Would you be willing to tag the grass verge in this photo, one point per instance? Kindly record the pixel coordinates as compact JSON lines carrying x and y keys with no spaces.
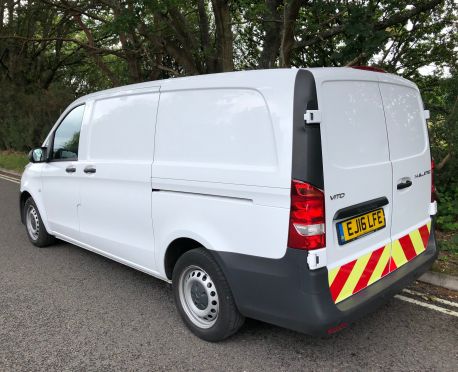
{"x":447,"y":262}
{"x":12,"y":160}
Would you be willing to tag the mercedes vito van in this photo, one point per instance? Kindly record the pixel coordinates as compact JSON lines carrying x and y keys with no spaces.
{"x":299,"y":197}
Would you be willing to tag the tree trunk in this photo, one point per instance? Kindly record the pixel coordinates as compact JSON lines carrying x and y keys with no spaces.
{"x":209,"y":59}
{"x":272,"y":40}
{"x":2,"y":13}
{"x":181,"y":56}
{"x":291,"y":13}
{"x":224,"y":37}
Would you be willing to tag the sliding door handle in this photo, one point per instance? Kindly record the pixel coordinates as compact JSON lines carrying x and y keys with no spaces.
{"x":90,"y":169}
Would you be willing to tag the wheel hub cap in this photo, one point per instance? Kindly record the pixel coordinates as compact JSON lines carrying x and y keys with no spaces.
{"x":32,"y":222}
{"x":199,"y":297}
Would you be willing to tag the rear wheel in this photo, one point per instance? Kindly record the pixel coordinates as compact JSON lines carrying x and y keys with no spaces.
{"x":35,"y":228}
{"x":203,"y":297}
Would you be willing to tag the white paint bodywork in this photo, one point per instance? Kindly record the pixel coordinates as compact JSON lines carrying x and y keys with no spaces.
{"x":220,"y":146}
{"x":409,"y":153}
{"x":356,"y":159}
{"x":115,"y":202}
{"x":373,"y":133}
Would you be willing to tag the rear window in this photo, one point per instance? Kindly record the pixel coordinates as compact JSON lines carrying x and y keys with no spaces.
{"x":354,"y":121}
{"x":405,"y":120}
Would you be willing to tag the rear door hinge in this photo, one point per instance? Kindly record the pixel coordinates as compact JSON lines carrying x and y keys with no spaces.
{"x":312,"y":116}
{"x":426,"y":114}
{"x":316,"y":259}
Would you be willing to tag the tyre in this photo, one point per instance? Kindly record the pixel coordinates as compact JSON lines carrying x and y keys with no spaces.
{"x":35,"y":228}
{"x":203,"y":297}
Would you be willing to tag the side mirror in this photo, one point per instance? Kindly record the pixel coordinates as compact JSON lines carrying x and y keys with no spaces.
{"x":38,"y":155}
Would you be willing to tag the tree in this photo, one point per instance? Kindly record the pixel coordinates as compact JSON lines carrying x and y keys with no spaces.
{"x":78,"y":46}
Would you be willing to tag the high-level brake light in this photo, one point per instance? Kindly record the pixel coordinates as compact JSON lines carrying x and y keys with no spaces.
{"x":369,"y":68}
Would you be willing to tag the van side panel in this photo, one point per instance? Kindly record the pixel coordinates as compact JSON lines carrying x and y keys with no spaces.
{"x":216,"y":135}
{"x":217,"y":171}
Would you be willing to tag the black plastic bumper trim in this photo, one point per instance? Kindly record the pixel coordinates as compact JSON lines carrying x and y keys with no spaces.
{"x":286,"y":293}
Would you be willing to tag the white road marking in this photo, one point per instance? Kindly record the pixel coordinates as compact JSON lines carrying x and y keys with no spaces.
{"x":433,"y":298}
{"x":11,"y":179}
{"x":429,"y":306}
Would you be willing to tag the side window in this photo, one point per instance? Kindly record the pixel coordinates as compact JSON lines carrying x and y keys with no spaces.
{"x":67,"y":136}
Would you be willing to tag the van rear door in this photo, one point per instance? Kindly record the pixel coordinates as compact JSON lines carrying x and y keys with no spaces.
{"x":411,"y":161}
{"x":357,"y":179}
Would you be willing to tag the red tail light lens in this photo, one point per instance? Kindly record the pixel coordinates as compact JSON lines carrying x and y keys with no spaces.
{"x":306,"y":221}
{"x":433,"y":186}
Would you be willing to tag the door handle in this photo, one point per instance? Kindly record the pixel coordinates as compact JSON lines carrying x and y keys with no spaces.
{"x":90,"y":169}
{"x":404,"y":184}
{"x":70,"y":169}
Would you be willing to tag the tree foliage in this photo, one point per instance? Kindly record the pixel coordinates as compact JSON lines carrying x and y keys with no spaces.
{"x":125,"y":41}
{"x":54,"y":50}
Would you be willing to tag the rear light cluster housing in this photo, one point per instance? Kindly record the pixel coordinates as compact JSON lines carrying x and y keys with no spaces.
{"x":307,"y":217}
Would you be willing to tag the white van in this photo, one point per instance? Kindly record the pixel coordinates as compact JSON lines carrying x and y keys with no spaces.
{"x":299,"y":197}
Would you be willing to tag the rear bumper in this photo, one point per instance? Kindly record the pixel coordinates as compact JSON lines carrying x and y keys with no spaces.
{"x":286,"y":293}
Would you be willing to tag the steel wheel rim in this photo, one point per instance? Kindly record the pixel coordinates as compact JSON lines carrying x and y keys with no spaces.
{"x":199,"y":297}
{"x":32,"y":222}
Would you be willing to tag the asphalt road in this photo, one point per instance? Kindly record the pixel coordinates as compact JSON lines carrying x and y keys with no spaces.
{"x":64,"y":308}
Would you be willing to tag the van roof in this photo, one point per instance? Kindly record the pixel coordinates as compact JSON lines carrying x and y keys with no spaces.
{"x":250,"y":79}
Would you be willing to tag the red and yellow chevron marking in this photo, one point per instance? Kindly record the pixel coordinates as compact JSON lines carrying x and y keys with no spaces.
{"x":358,"y":274}
{"x":409,"y":246}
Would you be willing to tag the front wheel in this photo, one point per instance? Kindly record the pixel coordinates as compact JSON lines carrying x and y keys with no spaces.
{"x":203,"y":297}
{"x":36,"y":230}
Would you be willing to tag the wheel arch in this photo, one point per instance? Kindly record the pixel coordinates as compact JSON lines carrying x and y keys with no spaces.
{"x":27,"y":193}
{"x":175,"y":250}
{"x":22,"y":199}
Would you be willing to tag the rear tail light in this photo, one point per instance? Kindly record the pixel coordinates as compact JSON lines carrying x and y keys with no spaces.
{"x":306,"y":220}
{"x":433,"y":186}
